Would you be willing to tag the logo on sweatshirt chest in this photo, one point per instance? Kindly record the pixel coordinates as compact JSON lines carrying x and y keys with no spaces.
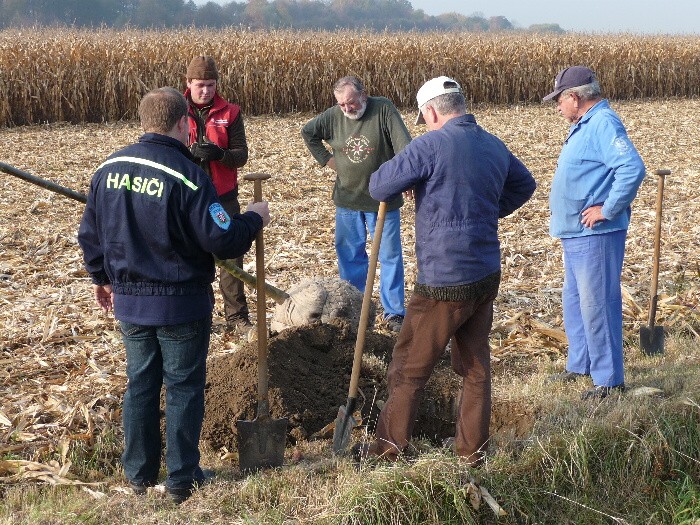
{"x":357,"y":148}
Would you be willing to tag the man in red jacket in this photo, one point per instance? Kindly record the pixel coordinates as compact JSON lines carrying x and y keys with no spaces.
{"x":217,"y":142}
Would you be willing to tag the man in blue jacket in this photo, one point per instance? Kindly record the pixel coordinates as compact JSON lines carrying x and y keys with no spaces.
{"x":597,"y":177}
{"x":150,"y":226}
{"x":463,"y":180}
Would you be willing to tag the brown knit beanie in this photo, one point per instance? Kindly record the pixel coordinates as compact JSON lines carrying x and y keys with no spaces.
{"x":202,"y":68}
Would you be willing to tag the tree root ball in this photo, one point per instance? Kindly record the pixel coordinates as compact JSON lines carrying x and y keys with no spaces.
{"x":320,"y":299}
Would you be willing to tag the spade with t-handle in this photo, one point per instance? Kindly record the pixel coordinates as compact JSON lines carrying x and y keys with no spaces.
{"x":261,"y":441}
{"x":651,"y":337}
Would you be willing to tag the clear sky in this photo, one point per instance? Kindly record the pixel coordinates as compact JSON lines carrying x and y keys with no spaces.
{"x":610,"y":16}
{"x":591,"y":16}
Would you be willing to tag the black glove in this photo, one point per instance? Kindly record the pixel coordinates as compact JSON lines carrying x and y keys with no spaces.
{"x":206,"y":151}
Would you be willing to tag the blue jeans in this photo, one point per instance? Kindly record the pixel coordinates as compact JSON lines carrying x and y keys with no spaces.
{"x":351,"y":228}
{"x":175,"y":356}
{"x":592,"y":302}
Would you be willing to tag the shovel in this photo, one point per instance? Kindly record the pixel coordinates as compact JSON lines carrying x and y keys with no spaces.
{"x":261,"y":442}
{"x":651,"y":337}
{"x":345,"y":421}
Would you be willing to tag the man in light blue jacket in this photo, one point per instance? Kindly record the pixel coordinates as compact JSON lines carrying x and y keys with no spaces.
{"x":597,"y":177}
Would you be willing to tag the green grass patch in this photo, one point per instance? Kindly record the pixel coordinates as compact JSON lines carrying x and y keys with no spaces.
{"x":629,"y":459}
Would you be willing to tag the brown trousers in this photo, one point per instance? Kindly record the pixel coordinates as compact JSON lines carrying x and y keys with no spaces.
{"x":232,"y":289}
{"x":428,"y":327}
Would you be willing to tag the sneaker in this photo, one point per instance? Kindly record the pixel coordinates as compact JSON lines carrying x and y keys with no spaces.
{"x":601,"y":392}
{"x":394,"y":322}
{"x":564,"y":377}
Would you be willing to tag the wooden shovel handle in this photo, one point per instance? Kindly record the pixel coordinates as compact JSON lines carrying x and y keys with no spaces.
{"x":263,"y":403}
{"x":366,"y":301}
{"x":661,"y":174}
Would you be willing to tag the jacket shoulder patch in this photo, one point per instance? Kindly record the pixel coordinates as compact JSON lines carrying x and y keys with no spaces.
{"x":221,"y":218}
{"x":621,"y":144}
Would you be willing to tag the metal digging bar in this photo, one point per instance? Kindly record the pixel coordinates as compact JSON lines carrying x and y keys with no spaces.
{"x":278,"y":295}
{"x":46,"y":184}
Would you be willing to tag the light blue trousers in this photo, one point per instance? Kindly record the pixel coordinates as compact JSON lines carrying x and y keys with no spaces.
{"x":592,"y":302}
{"x":351,"y":229}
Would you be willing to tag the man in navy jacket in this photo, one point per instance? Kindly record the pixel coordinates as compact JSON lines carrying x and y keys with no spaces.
{"x":463,"y":180}
{"x":150,"y":226}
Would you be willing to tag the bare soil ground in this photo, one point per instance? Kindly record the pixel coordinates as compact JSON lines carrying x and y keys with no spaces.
{"x":62,"y":364}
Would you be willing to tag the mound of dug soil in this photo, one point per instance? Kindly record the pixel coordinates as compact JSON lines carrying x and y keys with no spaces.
{"x":310,"y":369}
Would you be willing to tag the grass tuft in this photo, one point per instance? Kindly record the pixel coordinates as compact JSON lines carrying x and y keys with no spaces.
{"x":628,"y":459}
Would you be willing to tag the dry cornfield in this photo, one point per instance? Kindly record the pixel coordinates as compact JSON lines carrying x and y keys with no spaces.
{"x":50,"y":75}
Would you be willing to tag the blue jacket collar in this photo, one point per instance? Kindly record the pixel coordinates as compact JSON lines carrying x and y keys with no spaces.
{"x":467,"y":118}
{"x":158,"y":138}
{"x":588,"y":115}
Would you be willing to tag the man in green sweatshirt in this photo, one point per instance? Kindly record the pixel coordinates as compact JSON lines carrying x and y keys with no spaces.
{"x":363,"y":132}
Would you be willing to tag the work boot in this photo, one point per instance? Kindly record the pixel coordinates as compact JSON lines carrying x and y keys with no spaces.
{"x":180,"y":495}
{"x":601,"y":392}
{"x":240,"y":324}
{"x":141,"y":487}
{"x":394,"y":322}
{"x":564,"y":377}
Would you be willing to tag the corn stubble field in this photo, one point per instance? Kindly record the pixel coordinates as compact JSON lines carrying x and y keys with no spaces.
{"x":61,"y":362}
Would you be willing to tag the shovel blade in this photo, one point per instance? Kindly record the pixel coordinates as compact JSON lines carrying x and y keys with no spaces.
{"x":651,"y":339}
{"x":261,"y":443}
{"x":344,"y":423}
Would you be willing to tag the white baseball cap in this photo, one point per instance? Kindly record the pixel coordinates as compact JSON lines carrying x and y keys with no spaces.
{"x":434,"y":88}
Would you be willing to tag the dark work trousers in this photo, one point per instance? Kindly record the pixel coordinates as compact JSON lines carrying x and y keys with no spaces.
{"x":428,"y":327}
{"x":232,"y":289}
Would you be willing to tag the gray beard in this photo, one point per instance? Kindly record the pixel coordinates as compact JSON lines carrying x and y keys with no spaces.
{"x":358,"y":115}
